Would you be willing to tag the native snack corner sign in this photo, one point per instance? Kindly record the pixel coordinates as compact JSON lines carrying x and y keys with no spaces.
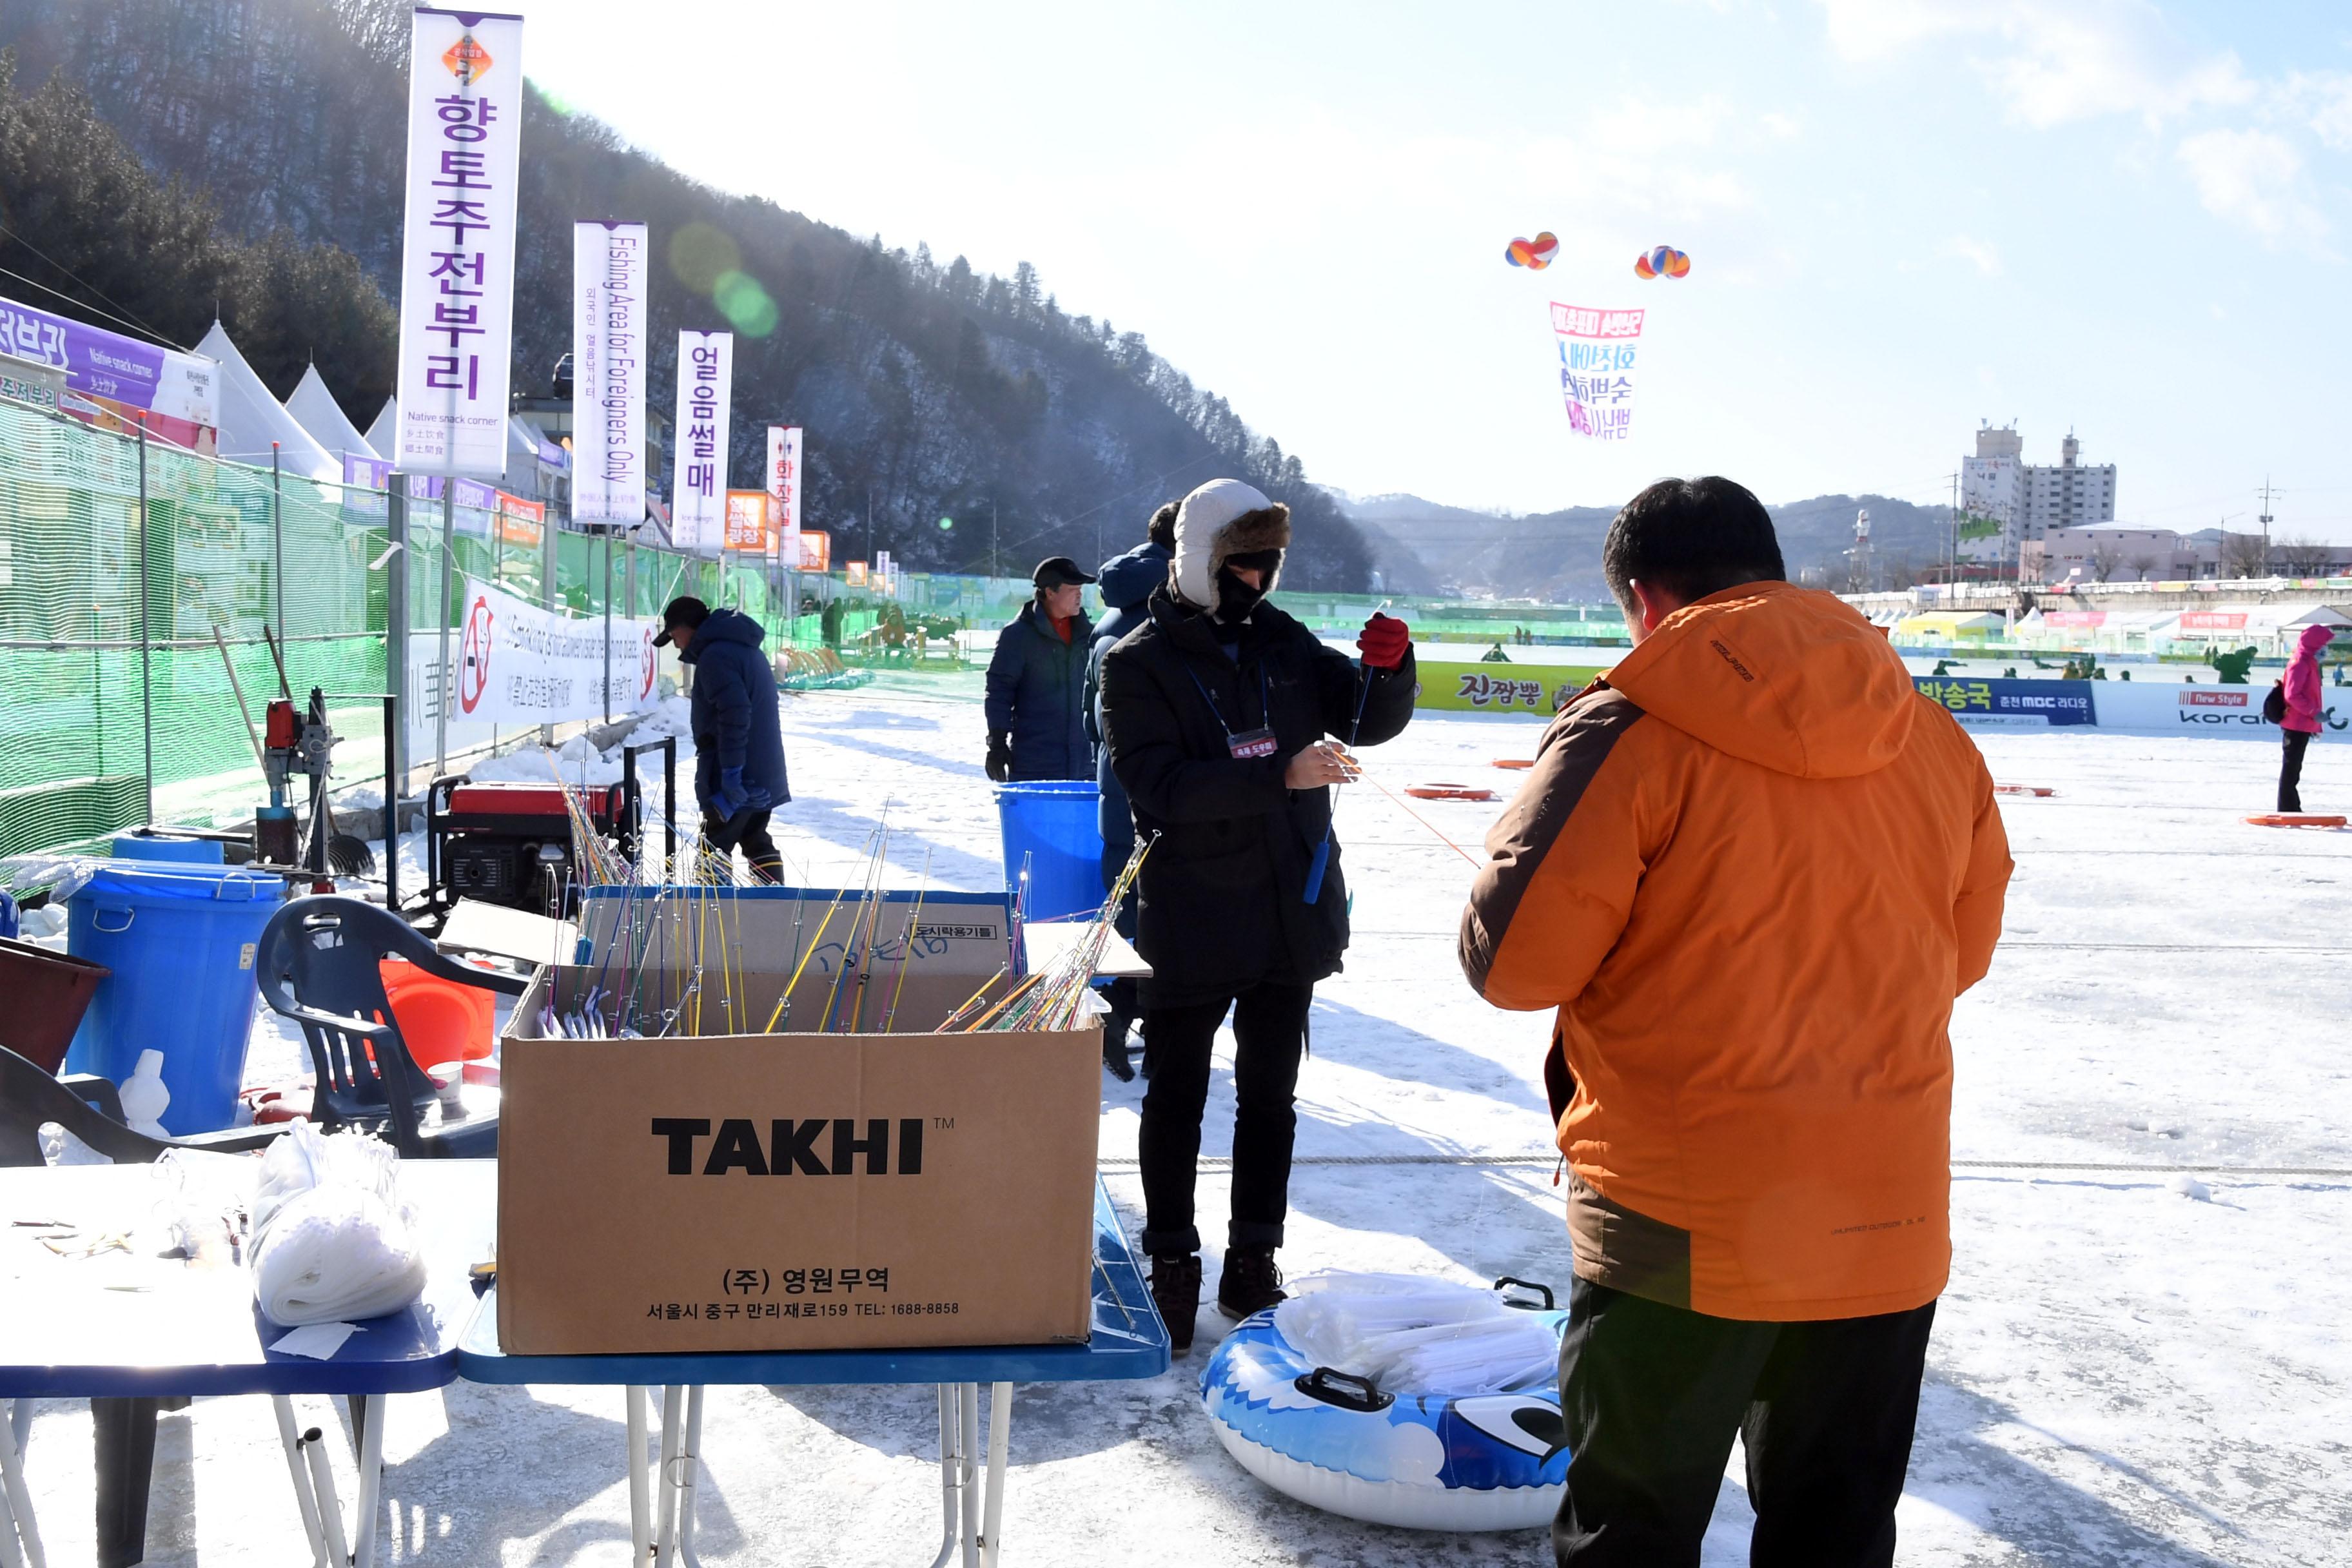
{"x":608,"y":372}
{"x":1600,"y":355}
{"x":705,"y":366}
{"x":517,"y":664}
{"x":457,"y":274}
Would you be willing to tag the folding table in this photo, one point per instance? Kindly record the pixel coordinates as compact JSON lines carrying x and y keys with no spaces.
{"x":1128,"y":1340}
{"x":114,"y":1326}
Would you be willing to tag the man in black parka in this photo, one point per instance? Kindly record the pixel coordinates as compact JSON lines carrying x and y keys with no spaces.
{"x":1036,"y":698}
{"x":1216,"y":713}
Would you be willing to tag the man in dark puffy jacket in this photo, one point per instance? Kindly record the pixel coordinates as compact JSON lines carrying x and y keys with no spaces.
{"x":738,"y":739}
{"x":1127,"y":583}
{"x":1037,"y":683}
{"x":1215,"y":711}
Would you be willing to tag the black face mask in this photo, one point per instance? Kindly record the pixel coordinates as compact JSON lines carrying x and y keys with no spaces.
{"x":1235,"y":598}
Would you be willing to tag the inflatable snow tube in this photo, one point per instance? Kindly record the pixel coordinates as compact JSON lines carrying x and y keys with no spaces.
{"x":2294,"y":819}
{"x":1420,"y":1458}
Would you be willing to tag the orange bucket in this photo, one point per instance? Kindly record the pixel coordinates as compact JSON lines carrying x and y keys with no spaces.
{"x":441,"y":1020}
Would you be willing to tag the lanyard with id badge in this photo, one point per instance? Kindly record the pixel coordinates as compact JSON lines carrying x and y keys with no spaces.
{"x":1248,"y":744}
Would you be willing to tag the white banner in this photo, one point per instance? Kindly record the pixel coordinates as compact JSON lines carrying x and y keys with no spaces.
{"x":1600,"y":353}
{"x":706,"y":371}
{"x":608,"y":372}
{"x":458,"y":257}
{"x":783,"y":487}
{"x":515,"y":663}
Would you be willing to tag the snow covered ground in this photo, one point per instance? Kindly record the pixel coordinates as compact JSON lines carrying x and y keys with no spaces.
{"x":2131,"y":1368}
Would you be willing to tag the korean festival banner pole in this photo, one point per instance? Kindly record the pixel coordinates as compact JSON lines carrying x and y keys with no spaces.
{"x":783,"y":487}
{"x":706,"y":373}
{"x":456,"y":274}
{"x":608,"y":379}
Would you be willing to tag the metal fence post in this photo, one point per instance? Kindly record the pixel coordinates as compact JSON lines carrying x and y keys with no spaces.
{"x":395,"y":635}
{"x":277,"y":541}
{"x":550,"y":563}
{"x":146,"y":643}
{"x":448,"y":563}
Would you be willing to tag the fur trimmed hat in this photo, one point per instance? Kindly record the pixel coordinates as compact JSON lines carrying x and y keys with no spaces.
{"x":1222,"y":519}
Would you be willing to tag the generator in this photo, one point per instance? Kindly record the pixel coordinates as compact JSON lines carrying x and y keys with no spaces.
{"x":510,"y":842}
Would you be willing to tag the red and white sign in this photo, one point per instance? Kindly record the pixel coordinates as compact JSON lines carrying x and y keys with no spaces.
{"x":783,"y":487}
{"x":1600,"y":367}
{"x":747,"y":520}
{"x":2213,"y":620}
{"x":518,"y":664}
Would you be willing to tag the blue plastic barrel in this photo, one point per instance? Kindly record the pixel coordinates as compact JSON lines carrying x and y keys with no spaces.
{"x":180,"y":939}
{"x":159,"y":846}
{"x":1052,"y":822}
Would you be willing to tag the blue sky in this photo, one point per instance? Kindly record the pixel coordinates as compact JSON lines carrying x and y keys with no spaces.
{"x":1903,"y":216}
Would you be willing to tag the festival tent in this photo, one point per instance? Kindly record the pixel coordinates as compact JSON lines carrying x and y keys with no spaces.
{"x":1947,"y":626}
{"x":384,"y":434}
{"x":315,"y":409}
{"x":251,"y":420}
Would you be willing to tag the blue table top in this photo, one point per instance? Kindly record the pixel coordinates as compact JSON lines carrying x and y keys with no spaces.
{"x":1128,"y":1340}
{"x":123,"y":1324}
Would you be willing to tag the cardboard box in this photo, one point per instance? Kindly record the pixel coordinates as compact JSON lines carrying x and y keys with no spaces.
{"x":735,"y":1190}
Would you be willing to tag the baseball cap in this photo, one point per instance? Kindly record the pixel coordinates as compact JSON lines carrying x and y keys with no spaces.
{"x":682,"y":611}
{"x":1058,"y":571}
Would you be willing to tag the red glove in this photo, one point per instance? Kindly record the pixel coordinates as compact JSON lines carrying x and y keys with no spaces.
{"x":1383,"y":642}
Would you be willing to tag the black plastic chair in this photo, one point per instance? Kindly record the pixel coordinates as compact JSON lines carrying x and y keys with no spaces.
{"x":317,"y":964}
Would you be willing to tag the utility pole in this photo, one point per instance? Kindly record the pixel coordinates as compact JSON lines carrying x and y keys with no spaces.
{"x":992,"y":538}
{"x":2268,"y":495}
{"x":1952,"y":556}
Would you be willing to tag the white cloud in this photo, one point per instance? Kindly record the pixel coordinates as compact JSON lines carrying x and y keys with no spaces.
{"x":1976,"y":252}
{"x":2052,"y":61}
{"x":2254,"y":178}
{"x":2323,"y":99}
{"x":1780,"y":125}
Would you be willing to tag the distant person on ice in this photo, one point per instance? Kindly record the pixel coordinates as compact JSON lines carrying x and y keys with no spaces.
{"x":1751,"y":870}
{"x":1127,"y":581}
{"x":738,"y":740}
{"x":1037,"y":680}
{"x":1216,"y":710}
{"x":2306,"y":702}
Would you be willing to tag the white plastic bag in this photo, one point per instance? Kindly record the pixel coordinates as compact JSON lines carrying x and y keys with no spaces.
{"x":1412,"y":1336}
{"x":332,"y":1240}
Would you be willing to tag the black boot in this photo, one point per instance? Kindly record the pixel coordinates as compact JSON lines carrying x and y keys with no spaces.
{"x":1115,"y":1029}
{"x":1250,"y":1282}
{"x":1176,"y":1291}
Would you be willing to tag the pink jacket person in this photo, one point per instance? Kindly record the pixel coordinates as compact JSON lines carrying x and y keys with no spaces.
{"x":2304,"y":700}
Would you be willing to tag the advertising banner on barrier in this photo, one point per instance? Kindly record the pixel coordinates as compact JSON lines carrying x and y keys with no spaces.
{"x":1599,"y":368}
{"x":180,"y":392}
{"x":515,"y":663}
{"x":1536,"y":690}
{"x":2010,"y":702}
{"x":521,"y":522}
{"x":458,"y":257}
{"x":783,"y":487}
{"x":706,"y":373}
{"x":608,"y":372}
{"x":2233,"y":712}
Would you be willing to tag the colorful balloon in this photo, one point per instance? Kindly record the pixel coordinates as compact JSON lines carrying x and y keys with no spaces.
{"x":1664,"y":261}
{"x":1533,"y":254}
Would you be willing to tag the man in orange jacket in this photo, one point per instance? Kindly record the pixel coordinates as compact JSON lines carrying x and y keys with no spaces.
{"x":1751,"y":869}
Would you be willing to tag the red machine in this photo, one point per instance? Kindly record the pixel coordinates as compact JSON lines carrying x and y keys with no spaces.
{"x":509,"y":843}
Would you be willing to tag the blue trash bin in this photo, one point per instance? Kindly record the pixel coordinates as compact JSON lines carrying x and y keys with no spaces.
{"x":162,"y":846}
{"x":1054,"y":823}
{"x":180,"y":939}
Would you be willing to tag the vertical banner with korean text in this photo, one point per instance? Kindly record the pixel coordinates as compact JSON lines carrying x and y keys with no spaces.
{"x":706,"y":369}
{"x":783,"y":487}
{"x":1599,"y":364}
{"x":608,"y":372}
{"x":457,"y":255}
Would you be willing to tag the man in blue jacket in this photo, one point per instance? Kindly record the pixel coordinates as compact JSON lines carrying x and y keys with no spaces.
{"x":738,"y":739}
{"x":1037,"y":683}
{"x":1127,"y":581}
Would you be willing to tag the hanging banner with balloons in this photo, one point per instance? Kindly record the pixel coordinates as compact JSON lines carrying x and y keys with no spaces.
{"x":1599,"y":366}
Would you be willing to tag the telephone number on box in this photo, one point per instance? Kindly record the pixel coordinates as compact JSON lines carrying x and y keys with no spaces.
{"x":925,"y":1309}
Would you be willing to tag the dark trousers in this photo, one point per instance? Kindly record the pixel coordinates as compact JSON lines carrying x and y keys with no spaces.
{"x":750,"y":830}
{"x":1269,"y":1034}
{"x":2291,"y":770}
{"x":1651,"y":1395}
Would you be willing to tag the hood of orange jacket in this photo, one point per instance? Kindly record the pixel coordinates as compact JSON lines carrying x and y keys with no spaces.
{"x":1789,"y":678}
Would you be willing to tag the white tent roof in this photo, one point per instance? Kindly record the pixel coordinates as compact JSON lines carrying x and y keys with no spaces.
{"x":384,"y":434}
{"x":250,"y":419}
{"x":315,"y":409}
